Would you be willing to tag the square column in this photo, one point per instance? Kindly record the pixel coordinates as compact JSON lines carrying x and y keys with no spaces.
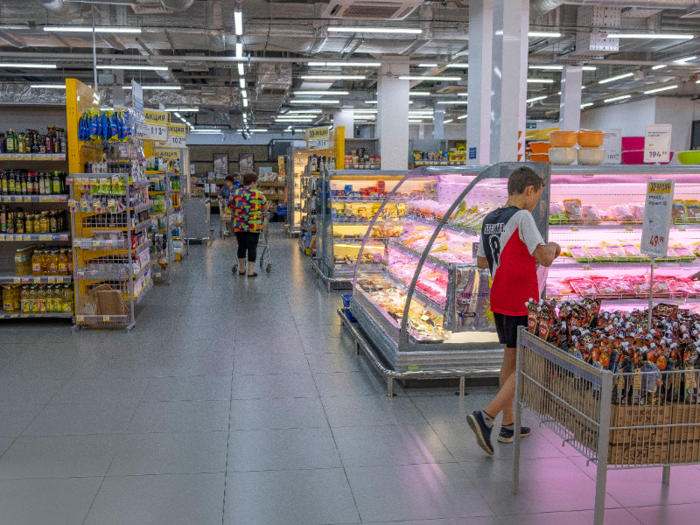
{"x":506,"y":93}
{"x":439,"y":122}
{"x":522,"y":113}
{"x":479,"y":82}
{"x":570,"y":105}
{"x":345,"y":118}
{"x":392,"y":115}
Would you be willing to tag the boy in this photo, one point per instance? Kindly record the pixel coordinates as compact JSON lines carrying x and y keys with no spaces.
{"x":511,"y":246}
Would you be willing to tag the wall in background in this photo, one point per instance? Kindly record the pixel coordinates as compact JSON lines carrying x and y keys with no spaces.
{"x":680,"y":113}
{"x":202,"y":156}
{"x":632,"y":117}
{"x":35,"y":117}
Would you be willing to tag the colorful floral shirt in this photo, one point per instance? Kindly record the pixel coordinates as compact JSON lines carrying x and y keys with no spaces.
{"x":247,"y":210}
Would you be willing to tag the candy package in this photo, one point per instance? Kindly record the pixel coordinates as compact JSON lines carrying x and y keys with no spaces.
{"x":573,"y":211}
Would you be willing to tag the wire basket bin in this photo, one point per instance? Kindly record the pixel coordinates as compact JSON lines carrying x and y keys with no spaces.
{"x":616,"y":420}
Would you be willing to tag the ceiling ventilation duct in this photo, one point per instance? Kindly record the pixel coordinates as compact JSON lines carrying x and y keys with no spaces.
{"x":366,"y":10}
{"x":605,"y":20}
{"x":61,"y":8}
{"x":69,"y":8}
{"x":273,"y":84}
{"x":542,"y":7}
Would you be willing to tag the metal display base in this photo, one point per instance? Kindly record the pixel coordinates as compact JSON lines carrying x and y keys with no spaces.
{"x":332,"y":281}
{"x":473,"y":359}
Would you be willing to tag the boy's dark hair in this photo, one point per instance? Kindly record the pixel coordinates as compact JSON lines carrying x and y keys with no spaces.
{"x":249,"y":178}
{"x":523,"y":177}
{"x":228,"y":177}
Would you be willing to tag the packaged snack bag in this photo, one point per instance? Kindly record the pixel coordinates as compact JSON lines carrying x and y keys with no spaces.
{"x":557,"y":215}
{"x":590,"y":214}
{"x":532,"y":316}
{"x":573,"y":210}
{"x":622,"y":213}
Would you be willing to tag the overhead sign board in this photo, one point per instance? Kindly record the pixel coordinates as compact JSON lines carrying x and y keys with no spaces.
{"x":318,"y":138}
{"x":151,"y":132}
{"x":157,"y":118}
{"x":137,"y":96}
{"x":657,"y":217}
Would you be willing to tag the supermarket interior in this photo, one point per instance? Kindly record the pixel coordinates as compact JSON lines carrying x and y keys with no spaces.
{"x":144,"y":379}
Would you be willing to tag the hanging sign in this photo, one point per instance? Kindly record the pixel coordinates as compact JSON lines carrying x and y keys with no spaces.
{"x":177,"y":135}
{"x":612,"y":144}
{"x":165,"y":153}
{"x":657,"y":217}
{"x":317,"y":138}
{"x":137,"y":96}
{"x":156,"y":118}
{"x":657,"y":143}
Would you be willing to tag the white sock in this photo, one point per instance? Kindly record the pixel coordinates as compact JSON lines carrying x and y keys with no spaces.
{"x":487,"y":419}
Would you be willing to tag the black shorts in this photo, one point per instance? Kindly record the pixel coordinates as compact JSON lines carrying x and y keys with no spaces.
{"x":507,"y":328}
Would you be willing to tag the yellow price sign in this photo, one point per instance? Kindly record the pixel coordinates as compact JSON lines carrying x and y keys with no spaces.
{"x":105,"y":319}
{"x":80,"y":319}
{"x":52,"y":280}
{"x":156,"y":118}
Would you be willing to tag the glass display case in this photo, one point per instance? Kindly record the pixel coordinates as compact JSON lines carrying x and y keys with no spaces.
{"x":348,"y":201}
{"x":426,"y":305}
{"x":596,"y":216}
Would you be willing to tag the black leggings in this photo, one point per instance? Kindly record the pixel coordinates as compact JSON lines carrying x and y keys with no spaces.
{"x":248,"y":241}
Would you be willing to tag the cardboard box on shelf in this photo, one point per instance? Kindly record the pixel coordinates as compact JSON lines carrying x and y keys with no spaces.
{"x":684,"y":414}
{"x":110,"y":302}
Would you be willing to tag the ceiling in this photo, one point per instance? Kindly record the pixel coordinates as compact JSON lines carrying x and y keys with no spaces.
{"x":198,"y":44}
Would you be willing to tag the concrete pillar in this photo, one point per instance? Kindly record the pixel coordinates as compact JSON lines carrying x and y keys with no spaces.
{"x":439,"y":122}
{"x":392,"y":115}
{"x":479,"y":82}
{"x":570,"y":105}
{"x":522,"y":111}
{"x":345,"y":118}
{"x":505,"y":100}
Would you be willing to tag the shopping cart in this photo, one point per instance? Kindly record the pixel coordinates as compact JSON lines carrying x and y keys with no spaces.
{"x":263,"y":243}
{"x":225,"y":218}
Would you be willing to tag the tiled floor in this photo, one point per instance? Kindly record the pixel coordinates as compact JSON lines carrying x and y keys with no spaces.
{"x":238,"y":401}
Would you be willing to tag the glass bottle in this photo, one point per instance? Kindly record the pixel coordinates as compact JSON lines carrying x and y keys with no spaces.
{"x":44,"y":223}
{"x":23,"y":183}
{"x":42,"y":188}
{"x":53,"y":224}
{"x":47,"y":184}
{"x":11,"y":184}
{"x":37,"y":223}
{"x":69,"y":253}
{"x":19,"y":223}
{"x":10,"y":141}
{"x":3,"y":183}
{"x":21,"y":143}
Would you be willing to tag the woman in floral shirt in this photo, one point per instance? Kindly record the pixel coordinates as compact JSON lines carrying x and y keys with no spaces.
{"x":247,"y":206}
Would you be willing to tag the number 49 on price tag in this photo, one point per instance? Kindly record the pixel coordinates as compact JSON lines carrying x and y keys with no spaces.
{"x":657,"y":218}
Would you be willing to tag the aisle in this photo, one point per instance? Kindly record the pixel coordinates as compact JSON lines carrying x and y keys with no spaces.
{"x":238,"y":401}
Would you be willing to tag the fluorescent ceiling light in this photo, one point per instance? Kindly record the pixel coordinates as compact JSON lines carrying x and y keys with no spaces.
{"x":370,"y":101}
{"x":427,"y":65}
{"x":460,"y":102}
{"x":447,"y":121}
{"x":182,"y":119}
{"x":453,"y":79}
{"x":258,"y":130}
{"x":658,"y":90}
{"x":345,"y":64}
{"x":48,"y":86}
{"x":419,"y":93}
{"x":245,"y":102}
{"x":238,"y":22}
{"x":646,"y":36}
{"x":321,"y":93}
{"x":239,"y":49}
{"x":178,"y":115}
{"x":586,"y":105}
{"x":333,"y":77}
{"x":684,"y":60}
{"x":83,"y":29}
{"x":244,"y":93}
{"x":462,"y":117}
{"x":462,"y":94}
{"x":360,"y":110}
{"x":554,"y":67}
{"x":449,"y":66}
{"x":294,"y":120}
{"x":658,"y":67}
{"x":298,"y":111}
{"x":134,"y":67}
{"x":241,"y":83}
{"x":241,"y":69}
{"x":28,"y":66}
{"x":312,"y":102}
{"x":618,"y":77}
{"x":167,"y":88}
{"x":540,"y":81}
{"x":183,"y":109}
{"x":535,"y":99}
{"x":412,"y":121}
{"x":337,"y":29}
{"x":615,"y":99}
{"x":208,"y":131}
{"x":544,"y":34}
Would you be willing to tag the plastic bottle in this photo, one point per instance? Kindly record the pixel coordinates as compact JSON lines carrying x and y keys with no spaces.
{"x":25,"y":303}
{"x":45,"y":262}
{"x":41,"y":299}
{"x":53,"y":263}
{"x":62,"y":263}
{"x":53,"y":225}
{"x":44,"y":223}
{"x":68,"y":303}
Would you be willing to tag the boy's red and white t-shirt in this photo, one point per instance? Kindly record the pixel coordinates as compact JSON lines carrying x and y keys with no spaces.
{"x":509,"y":237}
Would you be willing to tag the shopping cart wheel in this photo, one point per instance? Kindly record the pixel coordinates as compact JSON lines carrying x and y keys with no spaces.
{"x":235,"y":268}
{"x":268,"y":268}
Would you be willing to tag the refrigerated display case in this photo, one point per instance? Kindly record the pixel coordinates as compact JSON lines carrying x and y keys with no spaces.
{"x":426,"y":306}
{"x":596,"y":216}
{"x":348,"y":201}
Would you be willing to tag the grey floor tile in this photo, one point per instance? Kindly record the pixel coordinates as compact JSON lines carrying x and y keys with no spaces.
{"x":390,"y":445}
{"x":263,"y":364}
{"x":336,"y":361}
{"x":411,"y":492}
{"x":55,"y":501}
{"x":170,"y":453}
{"x":286,"y":497}
{"x":14,"y":419}
{"x":364,"y":383}
{"x":582,"y":517}
{"x":302,"y":448}
{"x":300,"y":384}
{"x":193,"y":388}
{"x":107,"y":391}
{"x":480,"y":520}
{"x":177,"y":499}
{"x":282,"y":413}
{"x":670,"y":514}
{"x":58,"y":457}
{"x":359,"y":411}
{"x":76,"y":420}
{"x":452,"y":409}
{"x":15,"y":390}
{"x":180,"y":416}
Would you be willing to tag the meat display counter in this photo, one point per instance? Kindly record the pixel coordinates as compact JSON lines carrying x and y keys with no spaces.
{"x":426,"y":305}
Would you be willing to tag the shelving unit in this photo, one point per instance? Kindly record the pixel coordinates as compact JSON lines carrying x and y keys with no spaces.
{"x":309,"y":212}
{"x":161,"y":233}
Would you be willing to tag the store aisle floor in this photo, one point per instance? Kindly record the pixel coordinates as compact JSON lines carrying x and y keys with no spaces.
{"x":238,"y":401}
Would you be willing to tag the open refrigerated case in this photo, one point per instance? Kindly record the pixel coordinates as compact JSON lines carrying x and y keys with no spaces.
{"x":426,"y":305}
{"x":348,"y":201}
{"x":596,"y":216}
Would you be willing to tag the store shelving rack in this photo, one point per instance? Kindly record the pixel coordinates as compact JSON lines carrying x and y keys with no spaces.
{"x":331,"y":231}
{"x":309,"y":209}
{"x":162,"y":268}
{"x":10,"y":242}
